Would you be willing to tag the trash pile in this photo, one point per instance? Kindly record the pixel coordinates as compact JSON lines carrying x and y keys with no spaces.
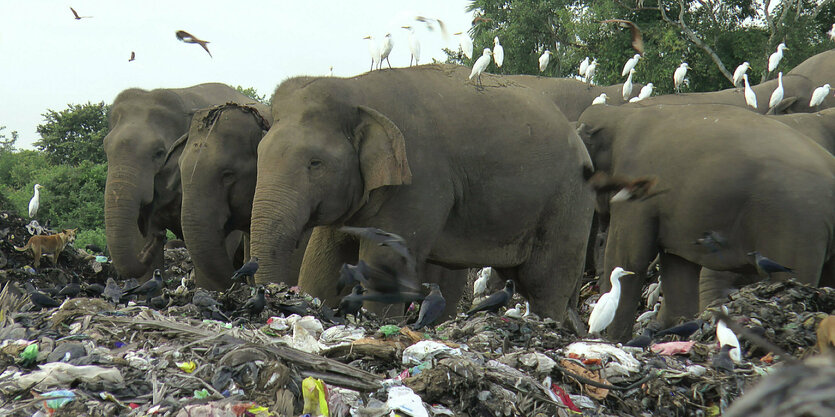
{"x":190,"y":352}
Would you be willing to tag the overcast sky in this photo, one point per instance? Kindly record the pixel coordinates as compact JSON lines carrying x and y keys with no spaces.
{"x":48,"y":59}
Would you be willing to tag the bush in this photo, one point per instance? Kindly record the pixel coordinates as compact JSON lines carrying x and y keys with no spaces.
{"x":93,"y":236}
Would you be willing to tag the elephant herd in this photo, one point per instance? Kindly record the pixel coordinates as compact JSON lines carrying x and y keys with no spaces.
{"x":476,"y":177}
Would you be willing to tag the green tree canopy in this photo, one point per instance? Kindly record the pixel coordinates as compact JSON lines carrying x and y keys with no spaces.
{"x":7,"y":143}
{"x":75,"y":134}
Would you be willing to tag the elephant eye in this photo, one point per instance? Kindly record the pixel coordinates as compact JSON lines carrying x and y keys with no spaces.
{"x":159,"y":154}
{"x":228,"y":177}
{"x":315,"y":163}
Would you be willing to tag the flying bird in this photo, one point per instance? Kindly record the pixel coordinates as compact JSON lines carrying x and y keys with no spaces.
{"x":765,"y":267}
{"x":414,"y":45}
{"x":351,"y":275}
{"x":35,"y":202}
{"x":431,"y":308}
{"x":515,"y":312}
{"x":774,"y":59}
{"x":247,"y":270}
{"x":722,"y":360}
{"x":479,"y":19}
{"x":255,"y":305}
{"x":112,"y":291}
{"x":645,"y":92}
{"x":189,"y":38}
{"x":777,"y":94}
{"x":132,"y":56}
{"x":498,"y":52}
{"x":351,"y":304}
{"x":150,"y":288}
{"x":385,"y":50}
{"x":430,"y":25}
{"x":543,"y":60}
{"x":77,"y":17}
{"x":683,"y":330}
{"x":750,"y":96}
{"x":374,"y":51}
{"x":625,"y":189}
{"x":496,"y":300}
{"x":604,"y":311}
{"x":590,"y":70}
{"x":740,"y":70}
{"x":383,"y":238}
{"x":819,"y":95}
{"x":678,"y":76}
{"x":712,"y":240}
{"x":627,"y":86}
{"x":601,"y":99}
{"x":466,"y":44}
{"x":637,"y":38}
{"x":480,"y":65}
{"x":726,"y":336}
{"x":480,"y":284}
{"x":584,"y":66}
{"x":630,"y":64}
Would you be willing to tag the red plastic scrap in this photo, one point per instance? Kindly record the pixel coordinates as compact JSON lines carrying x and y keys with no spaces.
{"x":565,"y":398}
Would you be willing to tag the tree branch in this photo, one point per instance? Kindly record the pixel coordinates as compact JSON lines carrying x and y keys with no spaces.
{"x":695,"y":39}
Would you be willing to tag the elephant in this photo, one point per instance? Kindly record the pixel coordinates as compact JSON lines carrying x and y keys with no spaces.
{"x":142,"y":190}
{"x":468,"y":176}
{"x":716,"y":171}
{"x":820,"y":126}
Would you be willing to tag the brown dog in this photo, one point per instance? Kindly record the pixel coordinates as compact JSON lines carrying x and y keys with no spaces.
{"x":54,"y":244}
{"x":826,"y":334}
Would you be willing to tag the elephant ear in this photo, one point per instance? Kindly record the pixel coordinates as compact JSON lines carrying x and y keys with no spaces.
{"x":781,"y":107}
{"x":382,"y":151}
{"x":170,"y":167}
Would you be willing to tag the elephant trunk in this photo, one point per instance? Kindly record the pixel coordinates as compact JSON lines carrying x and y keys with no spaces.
{"x":121,"y":217}
{"x":278,"y":220}
{"x":205,"y":237}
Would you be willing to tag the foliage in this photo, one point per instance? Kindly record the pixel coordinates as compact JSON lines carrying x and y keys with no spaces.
{"x":75,"y":134}
{"x":90,"y":236}
{"x":7,"y":143}
{"x":713,"y":37}
{"x":252,"y":93}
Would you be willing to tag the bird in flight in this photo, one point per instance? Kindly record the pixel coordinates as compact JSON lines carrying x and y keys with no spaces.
{"x":189,"y":38}
{"x":77,"y":17}
{"x":132,"y":56}
{"x":637,"y":37}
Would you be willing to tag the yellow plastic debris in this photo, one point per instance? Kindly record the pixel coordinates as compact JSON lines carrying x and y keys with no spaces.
{"x":315,"y":396}
{"x":187,"y":367}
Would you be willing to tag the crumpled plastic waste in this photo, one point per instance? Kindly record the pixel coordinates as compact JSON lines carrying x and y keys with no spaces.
{"x":425,"y":350}
{"x":405,"y":400}
{"x":604,"y":352}
{"x":29,"y":354}
{"x":58,"y":399}
{"x":673,"y":348}
{"x":61,"y":373}
{"x":187,"y":367}
{"x":315,"y":396}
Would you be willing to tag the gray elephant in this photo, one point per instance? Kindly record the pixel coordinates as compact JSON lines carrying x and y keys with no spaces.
{"x":820,"y":126}
{"x":573,"y":96}
{"x":469,"y":177}
{"x":718,"y":170}
{"x":142,"y":192}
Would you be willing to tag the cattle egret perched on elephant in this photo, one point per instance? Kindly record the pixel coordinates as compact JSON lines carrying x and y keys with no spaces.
{"x":740,"y":71}
{"x":480,"y":284}
{"x":373,"y":50}
{"x":646,"y":91}
{"x":750,"y":96}
{"x":481,"y":64}
{"x":604,"y":311}
{"x":777,"y":94}
{"x":584,"y":66}
{"x":543,"y":60}
{"x":498,"y":52}
{"x":819,"y":95}
{"x":726,"y":336}
{"x":678,"y":76}
{"x":466,"y":44}
{"x":385,"y":50}
{"x":774,"y":59}
{"x":627,"y":85}
{"x":35,"y":202}
{"x":630,"y":64}
{"x":414,"y":45}
{"x":590,"y":72}
{"x":601,"y":99}
{"x":831,"y":32}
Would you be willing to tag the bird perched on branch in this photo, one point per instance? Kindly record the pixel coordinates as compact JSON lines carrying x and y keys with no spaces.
{"x":189,"y":38}
{"x":496,"y":300}
{"x":604,"y":311}
{"x":625,"y":189}
{"x":637,"y":38}
{"x":76,"y":16}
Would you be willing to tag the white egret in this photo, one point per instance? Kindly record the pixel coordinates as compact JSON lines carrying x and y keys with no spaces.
{"x":630,"y":64}
{"x":678,"y":76}
{"x":819,"y":95}
{"x":590,"y":72}
{"x":385,"y":50}
{"x":831,"y":32}
{"x":601,"y":99}
{"x":741,"y":69}
{"x":373,"y":50}
{"x":604,"y":311}
{"x":35,"y":202}
{"x":726,"y":336}
{"x":480,"y":284}
{"x":627,"y":86}
{"x":649,"y":315}
{"x":645,"y":92}
{"x":514,"y":313}
{"x":777,"y":94}
{"x":654,"y":292}
{"x":527,"y":309}
{"x":543,"y":60}
{"x":774,"y":59}
{"x":498,"y":52}
{"x":750,"y":97}
{"x":584,"y":66}
{"x":466,"y":44}
{"x":481,"y":64}
{"x":414,"y":45}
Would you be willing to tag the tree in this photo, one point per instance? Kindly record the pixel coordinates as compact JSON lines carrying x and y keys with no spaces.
{"x":252,"y":93}
{"x":7,"y":143}
{"x":75,"y":134}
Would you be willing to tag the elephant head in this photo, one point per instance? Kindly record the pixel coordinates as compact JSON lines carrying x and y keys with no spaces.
{"x":218,"y":171}
{"x":317,"y":165}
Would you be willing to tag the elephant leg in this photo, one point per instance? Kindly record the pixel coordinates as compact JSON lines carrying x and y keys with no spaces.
{"x":326,"y":251}
{"x":247,"y":255}
{"x":680,"y":286}
{"x":452,"y":282}
{"x":828,"y":274}
{"x":715,"y":286}
{"x":233,"y":243}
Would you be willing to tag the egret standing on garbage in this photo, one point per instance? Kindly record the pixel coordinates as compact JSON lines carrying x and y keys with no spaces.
{"x":414,"y":45}
{"x":466,"y":44}
{"x":777,"y":94}
{"x":627,"y":86}
{"x":726,"y":336}
{"x":35,"y":202}
{"x":385,"y":50}
{"x":740,"y":70}
{"x":630,"y":64}
{"x":604,"y":311}
{"x":584,"y":66}
{"x":601,"y":99}
{"x":498,"y":52}
{"x":543,"y":60}
{"x":480,"y":284}
{"x":373,"y":50}
{"x":819,"y":95}
{"x":481,"y":64}
{"x":678,"y":76}
{"x":774,"y":59}
{"x":590,"y":72}
{"x":750,"y":96}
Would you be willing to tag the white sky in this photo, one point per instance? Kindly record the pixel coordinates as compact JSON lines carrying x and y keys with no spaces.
{"x":48,"y":59}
